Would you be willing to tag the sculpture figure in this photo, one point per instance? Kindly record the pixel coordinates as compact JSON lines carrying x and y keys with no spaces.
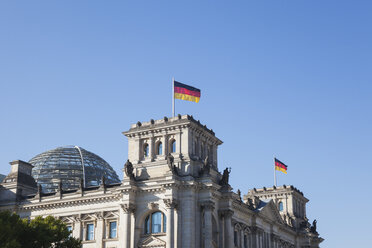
{"x":239,"y":194}
{"x":225,"y":177}
{"x":128,"y":169}
{"x":313,"y":227}
{"x":206,"y":166}
{"x":170,"y":162}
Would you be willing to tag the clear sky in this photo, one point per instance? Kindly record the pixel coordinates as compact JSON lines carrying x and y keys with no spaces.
{"x":285,"y":78}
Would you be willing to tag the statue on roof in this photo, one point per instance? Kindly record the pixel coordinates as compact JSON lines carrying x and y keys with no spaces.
{"x":313,"y":227}
{"x":206,"y":166}
{"x":128,"y":169}
{"x":170,"y":162}
{"x":225,"y":177}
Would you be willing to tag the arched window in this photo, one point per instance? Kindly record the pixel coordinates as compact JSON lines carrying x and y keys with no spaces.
{"x":155,"y":223}
{"x":202,"y":151}
{"x":146,"y":149}
{"x":159,"y":148}
{"x":280,"y":206}
{"x":172,"y":146}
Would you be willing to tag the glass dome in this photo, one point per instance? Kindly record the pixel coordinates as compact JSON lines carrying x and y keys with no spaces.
{"x":65,"y":163}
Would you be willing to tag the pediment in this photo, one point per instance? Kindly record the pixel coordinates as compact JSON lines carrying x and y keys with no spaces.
{"x":271,"y":212}
{"x":151,"y":242}
{"x":110,"y":214}
{"x":67,"y":219}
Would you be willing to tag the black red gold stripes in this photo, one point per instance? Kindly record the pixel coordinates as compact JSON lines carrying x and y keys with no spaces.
{"x":280,"y":166}
{"x":186,"y":92}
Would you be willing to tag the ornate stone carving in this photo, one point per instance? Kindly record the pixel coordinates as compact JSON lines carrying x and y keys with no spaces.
{"x":226,"y":213}
{"x":153,"y":205}
{"x":170,"y":203}
{"x":99,"y":215}
{"x":128,"y":207}
{"x":207,"y":205}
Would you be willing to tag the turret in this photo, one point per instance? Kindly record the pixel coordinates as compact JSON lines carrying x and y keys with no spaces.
{"x":188,"y":142}
{"x":19,"y":183}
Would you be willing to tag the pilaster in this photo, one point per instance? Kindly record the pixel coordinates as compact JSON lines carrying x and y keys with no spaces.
{"x":126,"y":229}
{"x":207,"y":208}
{"x":228,"y":230}
{"x":171,"y":204}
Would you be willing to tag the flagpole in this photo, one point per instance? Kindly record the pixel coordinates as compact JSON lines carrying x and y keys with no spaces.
{"x":274,"y":173}
{"x":173,"y":101}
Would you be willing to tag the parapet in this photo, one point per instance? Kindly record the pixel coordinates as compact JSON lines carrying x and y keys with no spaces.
{"x":166,"y":121}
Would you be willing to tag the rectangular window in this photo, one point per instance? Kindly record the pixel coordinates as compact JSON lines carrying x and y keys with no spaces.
{"x":90,"y":232}
{"x":112,"y":233}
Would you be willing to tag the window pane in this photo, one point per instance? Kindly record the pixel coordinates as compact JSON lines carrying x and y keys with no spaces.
{"x":90,"y":232}
{"x":280,"y":206}
{"x":160,"y":148}
{"x":173,"y":146}
{"x":112,"y":230}
{"x":156,"y":222}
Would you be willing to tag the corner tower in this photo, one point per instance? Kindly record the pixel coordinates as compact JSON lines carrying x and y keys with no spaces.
{"x":185,"y":139}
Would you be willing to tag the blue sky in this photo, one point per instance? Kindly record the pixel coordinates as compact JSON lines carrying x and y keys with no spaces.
{"x":285,"y":78}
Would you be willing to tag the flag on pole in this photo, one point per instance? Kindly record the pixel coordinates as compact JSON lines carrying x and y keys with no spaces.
{"x":186,"y":92}
{"x":280,"y":166}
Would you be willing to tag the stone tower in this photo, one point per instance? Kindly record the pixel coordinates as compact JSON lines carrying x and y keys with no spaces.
{"x":189,"y":143}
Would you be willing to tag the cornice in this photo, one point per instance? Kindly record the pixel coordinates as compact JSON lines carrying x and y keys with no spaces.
{"x":68,"y":202}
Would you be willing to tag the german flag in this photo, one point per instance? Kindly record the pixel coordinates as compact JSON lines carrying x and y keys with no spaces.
{"x":280,"y":166}
{"x":186,"y":92}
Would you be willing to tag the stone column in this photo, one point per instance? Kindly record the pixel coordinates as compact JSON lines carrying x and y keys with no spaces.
{"x":228,"y":229}
{"x":178,"y":142}
{"x":99,"y":231}
{"x":222,"y":230}
{"x":207,"y":207}
{"x":188,"y":214}
{"x":132,"y":227}
{"x":254,"y":237}
{"x":125,"y":229}
{"x":76,"y":233}
{"x":151,"y":148}
{"x":171,"y":204}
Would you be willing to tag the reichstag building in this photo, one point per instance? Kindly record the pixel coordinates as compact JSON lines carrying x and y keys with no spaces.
{"x":173,"y":195}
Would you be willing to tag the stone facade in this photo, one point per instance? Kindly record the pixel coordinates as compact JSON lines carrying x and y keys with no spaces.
{"x":172,"y":195}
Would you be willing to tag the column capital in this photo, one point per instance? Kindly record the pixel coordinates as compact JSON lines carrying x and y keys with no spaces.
{"x":226,"y":213}
{"x":207,"y":205}
{"x":255,"y":230}
{"x":170,"y":203}
{"x":128,"y":207}
{"x":99,"y":215}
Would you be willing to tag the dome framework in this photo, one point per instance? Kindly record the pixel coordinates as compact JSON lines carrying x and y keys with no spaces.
{"x":66,"y":164}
